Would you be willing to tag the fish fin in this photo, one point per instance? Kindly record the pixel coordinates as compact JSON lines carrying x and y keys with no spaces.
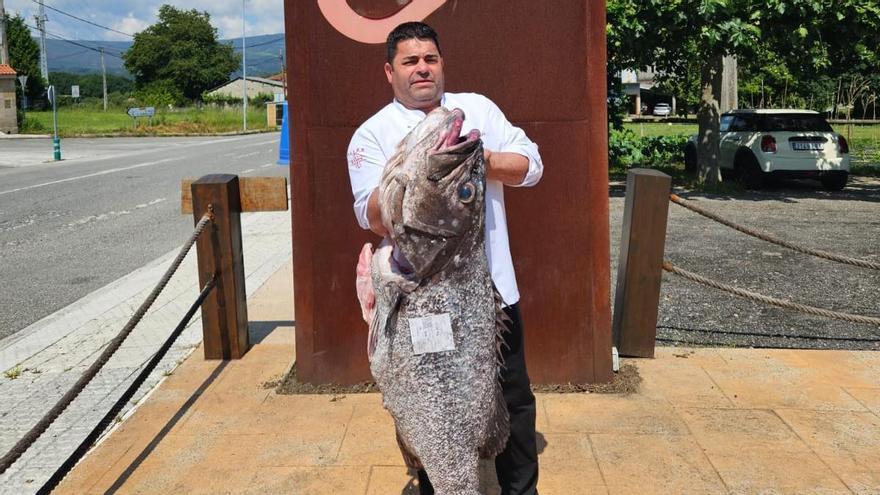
{"x":411,"y":460}
{"x":380,"y":321}
{"x":373,"y":336}
{"x":501,"y":321}
{"x":498,"y":429}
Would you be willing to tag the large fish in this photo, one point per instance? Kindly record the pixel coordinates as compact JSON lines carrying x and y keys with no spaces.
{"x":435,"y":316}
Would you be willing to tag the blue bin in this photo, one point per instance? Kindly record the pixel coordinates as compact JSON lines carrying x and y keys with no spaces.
{"x":284,"y":147}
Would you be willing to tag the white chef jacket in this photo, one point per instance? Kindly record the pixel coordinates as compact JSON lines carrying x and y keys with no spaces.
{"x":376,"y":140}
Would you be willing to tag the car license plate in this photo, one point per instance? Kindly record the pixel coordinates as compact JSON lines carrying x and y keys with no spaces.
{"x":807,"y":146}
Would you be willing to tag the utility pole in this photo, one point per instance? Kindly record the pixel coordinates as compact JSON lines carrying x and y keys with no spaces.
{"x":4,"y":52}
{"x":729,"y":84}
{"x":244,"y":98}
{"x":283,"y":72}
{"x":104,"y":77}
{"x":41,"y":26}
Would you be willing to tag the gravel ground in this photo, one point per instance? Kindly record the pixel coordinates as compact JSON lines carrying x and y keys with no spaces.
{"x":846,"y":222}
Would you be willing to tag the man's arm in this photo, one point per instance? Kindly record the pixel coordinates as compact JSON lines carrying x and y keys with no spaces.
{"x":507,"y":167}
{"x":516,"y":162}
{"x":365,"y":164}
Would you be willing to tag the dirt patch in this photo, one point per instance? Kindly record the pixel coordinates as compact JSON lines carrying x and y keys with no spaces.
{"x":626,"y":381}
{"x":289,"y":385}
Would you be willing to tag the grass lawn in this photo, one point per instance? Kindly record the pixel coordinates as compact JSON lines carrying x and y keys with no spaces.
{"x":80,"y":121}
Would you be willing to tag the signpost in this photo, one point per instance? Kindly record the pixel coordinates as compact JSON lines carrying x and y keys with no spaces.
{"x":56,"y":142}
{"x":136,"y":112}
{"x":23,"y":80}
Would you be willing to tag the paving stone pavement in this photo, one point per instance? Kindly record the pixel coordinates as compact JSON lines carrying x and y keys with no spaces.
{"x":47,"y":357}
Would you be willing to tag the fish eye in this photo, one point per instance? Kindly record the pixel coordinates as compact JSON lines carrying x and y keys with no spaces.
{"x":466,"y":192}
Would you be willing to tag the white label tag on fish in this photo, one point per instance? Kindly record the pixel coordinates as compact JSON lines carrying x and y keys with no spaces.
{"x":431,"y":334}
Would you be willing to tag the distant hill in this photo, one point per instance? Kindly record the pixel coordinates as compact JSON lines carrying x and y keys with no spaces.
{"x":262,"y":55}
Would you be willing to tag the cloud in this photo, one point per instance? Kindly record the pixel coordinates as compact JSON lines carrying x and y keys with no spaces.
{"x":131,"y":16}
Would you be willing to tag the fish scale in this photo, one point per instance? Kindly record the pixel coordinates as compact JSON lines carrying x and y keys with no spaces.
{"x":447,"y":406}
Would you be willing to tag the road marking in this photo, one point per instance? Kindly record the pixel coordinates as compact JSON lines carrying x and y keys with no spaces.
{"x":151,"y":203}
{"x":98,"y":218}
{"x":247,"y":171}
{"x":103,"y":172}
{"x":247,"y":154}
{"x":267,"y":165}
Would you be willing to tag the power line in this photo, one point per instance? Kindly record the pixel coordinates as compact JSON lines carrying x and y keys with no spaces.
{"x":58,"y":37}
{"x":261,"y":43}
{"x":84,"y":20}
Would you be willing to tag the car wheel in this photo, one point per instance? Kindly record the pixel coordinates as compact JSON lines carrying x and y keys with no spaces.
{"x":835,"y":181}
{"x":749,"y":172}
{"x":690,"y":159}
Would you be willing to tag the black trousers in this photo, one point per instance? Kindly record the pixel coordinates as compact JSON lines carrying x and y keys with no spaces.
{"x":517,"y":465}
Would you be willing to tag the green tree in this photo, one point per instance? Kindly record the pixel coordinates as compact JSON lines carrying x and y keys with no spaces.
{"x":24,"y":57}
{"x":806,"y":36}
{"x":181,"y":54}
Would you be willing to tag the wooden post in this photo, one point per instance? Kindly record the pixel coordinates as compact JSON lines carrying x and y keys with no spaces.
{"x":224,"y":312}
{"x":639,"y":271}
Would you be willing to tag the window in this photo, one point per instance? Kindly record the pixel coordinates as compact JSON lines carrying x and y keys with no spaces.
{"x":794,"y":123}
{"x":725,"y":122}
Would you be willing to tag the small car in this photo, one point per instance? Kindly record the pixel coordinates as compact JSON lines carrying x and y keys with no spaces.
{"x":662,"y":110}
{"x":758,"y":145}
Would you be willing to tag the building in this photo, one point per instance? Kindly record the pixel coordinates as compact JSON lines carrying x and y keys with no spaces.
{"x":8,"y":122}
{"x":639,"y":88}
{"x":255,"y":86}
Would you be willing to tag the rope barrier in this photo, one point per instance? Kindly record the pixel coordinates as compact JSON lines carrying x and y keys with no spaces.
{"x":867,"y":320}
{"x":773,"y":240}
{"x":87,"y":443}
{"x":38,"y":429}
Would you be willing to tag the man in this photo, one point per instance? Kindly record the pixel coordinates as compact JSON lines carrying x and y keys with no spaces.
{"x":414,"y":68}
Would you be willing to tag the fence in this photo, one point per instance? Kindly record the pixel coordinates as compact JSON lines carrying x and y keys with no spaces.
{"x":641,"y":265}
{"x":216,"y":202}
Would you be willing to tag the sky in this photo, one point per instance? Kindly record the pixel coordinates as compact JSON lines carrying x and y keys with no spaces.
{"x":131,"y":16}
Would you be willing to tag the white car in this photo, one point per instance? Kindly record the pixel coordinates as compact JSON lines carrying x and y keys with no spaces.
{"x":757,"y":145}
{"x":662,"y":110}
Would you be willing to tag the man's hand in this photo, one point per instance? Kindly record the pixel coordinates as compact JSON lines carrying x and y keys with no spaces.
{"x":509,"y":168}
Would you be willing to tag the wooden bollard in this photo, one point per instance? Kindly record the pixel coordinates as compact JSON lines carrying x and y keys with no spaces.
{"x":639,"y":269}
{"x":224,"y":312}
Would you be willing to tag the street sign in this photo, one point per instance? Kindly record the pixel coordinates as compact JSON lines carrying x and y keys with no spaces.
{"x":23,"y":80}
{"x":74,"y":91}
{"x":141,"y":112}
{"x":278,"y":97}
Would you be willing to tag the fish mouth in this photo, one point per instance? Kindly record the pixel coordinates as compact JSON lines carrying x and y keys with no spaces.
{"x":449,"y":140}
{"x":452,"y":151}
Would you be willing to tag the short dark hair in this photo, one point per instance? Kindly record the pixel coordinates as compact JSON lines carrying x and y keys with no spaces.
{"x":408,"y":31}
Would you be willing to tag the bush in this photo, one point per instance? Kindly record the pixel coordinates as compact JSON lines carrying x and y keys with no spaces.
{"x":226,"y":100}
{"x":626,"y":150}
{"x":160,"y":94}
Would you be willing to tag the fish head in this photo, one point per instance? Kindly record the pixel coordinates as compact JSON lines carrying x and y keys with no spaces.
{"x":433,"y":203}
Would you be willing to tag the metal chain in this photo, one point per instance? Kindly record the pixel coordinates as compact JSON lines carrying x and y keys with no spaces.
{"x":19,"y":448}
{"x":767,"y":237}
{"x":782,"y":303}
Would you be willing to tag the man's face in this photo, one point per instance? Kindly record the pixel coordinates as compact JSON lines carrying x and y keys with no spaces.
{"x":416,"y":74}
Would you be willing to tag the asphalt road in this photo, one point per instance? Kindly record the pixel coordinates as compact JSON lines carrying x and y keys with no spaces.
{"x":111,"y":206}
